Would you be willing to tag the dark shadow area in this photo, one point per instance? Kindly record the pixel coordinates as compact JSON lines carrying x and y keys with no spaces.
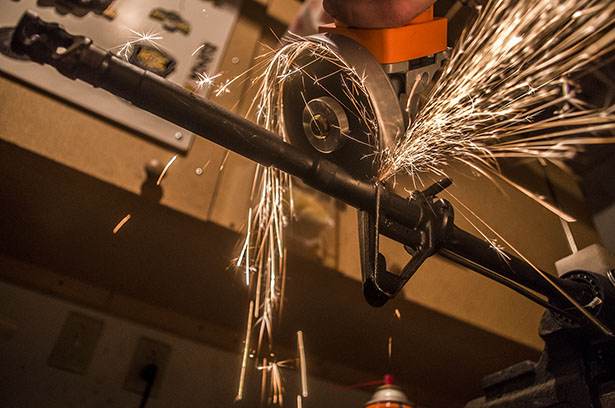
{"x":63,"y":220}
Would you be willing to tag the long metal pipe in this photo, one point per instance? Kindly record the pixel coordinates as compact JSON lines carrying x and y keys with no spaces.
{"x":150,"y":92}
{"x":167,"y":100}
{"x":206,"y":119}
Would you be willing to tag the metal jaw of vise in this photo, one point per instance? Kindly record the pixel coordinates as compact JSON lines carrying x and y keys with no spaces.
{"x":434,"y":228}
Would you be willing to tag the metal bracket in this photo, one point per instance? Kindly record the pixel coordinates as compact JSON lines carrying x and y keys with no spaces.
{"x":380,"y":285}
{"x":48,"y":43}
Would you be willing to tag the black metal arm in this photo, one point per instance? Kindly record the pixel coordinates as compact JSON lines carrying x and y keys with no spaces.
{"x":405,"y":220}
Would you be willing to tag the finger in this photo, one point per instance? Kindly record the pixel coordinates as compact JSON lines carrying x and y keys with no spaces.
{"x":376,"y":13}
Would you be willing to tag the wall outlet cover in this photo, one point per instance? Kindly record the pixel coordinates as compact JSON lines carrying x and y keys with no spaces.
{"x":147,"y":351}
{"x":76,"y":343}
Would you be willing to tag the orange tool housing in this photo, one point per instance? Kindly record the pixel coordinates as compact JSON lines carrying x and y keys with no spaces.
{"x":423,"y":36}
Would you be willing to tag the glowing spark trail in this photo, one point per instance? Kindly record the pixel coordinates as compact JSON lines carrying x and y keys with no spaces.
{"x":262,"y":255}
{"x":302,"y":364}
{"x":198,"y":49}
{"x":164,"y":171}
{"x":502,"y":92}
{"x":244,"y":359}
{"x":224,"y":159}
{"x":121,"y":223}
{"x":205,"y":81}
{"x":150,"y":37}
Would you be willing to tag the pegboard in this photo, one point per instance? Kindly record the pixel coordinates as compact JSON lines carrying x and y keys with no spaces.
{"x":190,"y":35}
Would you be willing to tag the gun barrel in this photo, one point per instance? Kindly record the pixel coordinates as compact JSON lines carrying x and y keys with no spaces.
{"x":81,"y":59}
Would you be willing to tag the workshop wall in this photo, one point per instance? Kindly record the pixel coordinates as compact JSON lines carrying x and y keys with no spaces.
{"x":219,"y":193}
{"x":194,"y":374}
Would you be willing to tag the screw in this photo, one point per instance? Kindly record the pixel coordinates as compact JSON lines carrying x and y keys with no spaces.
{"x":198,"y":171}
{"x":235,"y":60}
{"x":178,"y":135}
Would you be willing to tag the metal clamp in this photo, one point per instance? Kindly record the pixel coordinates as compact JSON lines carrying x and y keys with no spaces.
{"x":380,"y":285}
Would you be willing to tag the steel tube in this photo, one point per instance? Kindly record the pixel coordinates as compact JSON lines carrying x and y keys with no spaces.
{"x":210,"y":121}
{"x":469,"y":251}
{"x":169,"y":101}
{"x":206,"y":119}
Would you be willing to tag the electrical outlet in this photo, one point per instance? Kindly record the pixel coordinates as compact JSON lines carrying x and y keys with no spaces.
{"x":75,"y":344}
{"x":147,"y":351}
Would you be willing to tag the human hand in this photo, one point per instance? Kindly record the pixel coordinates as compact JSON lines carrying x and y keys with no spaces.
{"x":375,"y":13}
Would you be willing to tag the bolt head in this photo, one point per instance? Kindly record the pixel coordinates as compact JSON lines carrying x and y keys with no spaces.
{"x":320,"y":126}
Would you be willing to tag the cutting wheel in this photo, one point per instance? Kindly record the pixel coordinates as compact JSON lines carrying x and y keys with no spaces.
{"x":345,"y":116}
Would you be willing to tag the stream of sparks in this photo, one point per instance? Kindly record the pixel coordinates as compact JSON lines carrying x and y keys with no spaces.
{"x":262,"y":256}
{"x":150,"y":37}
{"x":506,"y":90}
{"x":504,"y":93}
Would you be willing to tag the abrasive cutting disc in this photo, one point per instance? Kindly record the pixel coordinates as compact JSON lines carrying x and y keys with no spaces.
{"x":341,"y":105}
